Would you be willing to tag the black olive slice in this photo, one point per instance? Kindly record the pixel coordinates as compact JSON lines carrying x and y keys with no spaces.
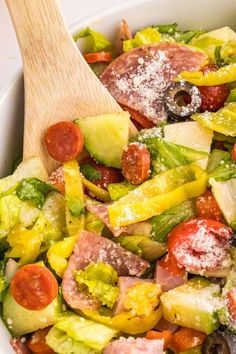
{"x":175,"y":97}
{"x":215,"y":343}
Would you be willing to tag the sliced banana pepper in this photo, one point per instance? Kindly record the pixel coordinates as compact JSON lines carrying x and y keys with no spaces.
{"x":158,"y":194}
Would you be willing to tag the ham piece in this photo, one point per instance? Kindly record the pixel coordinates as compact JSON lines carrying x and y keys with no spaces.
{"x":92,"y":248}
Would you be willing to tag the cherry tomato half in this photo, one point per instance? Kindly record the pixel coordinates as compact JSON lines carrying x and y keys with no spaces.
{"x":34,"y":287}
{"x":231,"y":303}
{"x":200,"y":244}
{"x":233,"y":153}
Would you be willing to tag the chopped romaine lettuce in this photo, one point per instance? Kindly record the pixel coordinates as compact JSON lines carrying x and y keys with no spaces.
{"x":100,"y":281}
{"x":13,"y":211}
{"x":90,"y":172}
{"x":95,"y":41}
{"x":89,"y":333}
{"x":224,"y":37}
{"x":220,"y":166}
{"x":3,"y":280}
{"x":232,"y":96}
{"x":170,"y":33}
{"x":222,"y":61}
{"x":61,"y":343}
{"x":142,"y":246}
{"x":118,"y":190}
{"x":225,"y":194}
{"x":93,"y":223}
{"x":32,"y":167}
{"x":144,"y":37}
{"x":34,"y":190}
{"x":164,"y":223}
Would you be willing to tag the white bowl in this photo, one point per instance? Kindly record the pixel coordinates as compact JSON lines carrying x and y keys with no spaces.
{"x":209,"y":14}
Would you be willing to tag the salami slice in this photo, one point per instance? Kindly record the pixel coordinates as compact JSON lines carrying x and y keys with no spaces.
{"x":139,"y":77}
{"x":91,"y":248}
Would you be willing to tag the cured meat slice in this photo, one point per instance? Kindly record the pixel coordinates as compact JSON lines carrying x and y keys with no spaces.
{"x":91,"y":248}
{"x":100,"y":210}
{"x":19,"y":345}
{"x":139,"y":77}
{"x":135,"y":346}
{"x":124,"y":284}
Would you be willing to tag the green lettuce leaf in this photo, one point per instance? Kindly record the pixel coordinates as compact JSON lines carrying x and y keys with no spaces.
{"x":220,"y":166}
{"x":142,"y":246}
{"x":95,"y":41}
{"x":90,"y":172}
{"x":170,"y":33}
{"x":100,"y":279}
{"x":91,"y":334}
{"x":166,"y":155}
{"x":13,"y":211}
{"x":118,"y":190}
{"x":93,"y":223}
{"x":32,"y":167}
{"x":34,"y":190}
{"x":222,"y":61}
{"x":223,"y":37}
{"x":232,"y":96}
{"x":146,"y":36}
{"x":3,"y":280}
{"x":61,"y":343}
{"x":164,"y":223}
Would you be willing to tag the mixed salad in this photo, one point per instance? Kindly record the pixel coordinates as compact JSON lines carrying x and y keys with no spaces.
{"x":129,"y":246}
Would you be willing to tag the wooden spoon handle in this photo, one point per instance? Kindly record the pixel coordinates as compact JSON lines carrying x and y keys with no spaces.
{"x":38,"y":24}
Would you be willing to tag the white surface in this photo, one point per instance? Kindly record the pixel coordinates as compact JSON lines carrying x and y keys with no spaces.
{"x":10,"y":61}
{"x":139,"y":13}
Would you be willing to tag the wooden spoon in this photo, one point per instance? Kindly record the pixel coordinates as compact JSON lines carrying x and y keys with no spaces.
{"x":59,"y":85}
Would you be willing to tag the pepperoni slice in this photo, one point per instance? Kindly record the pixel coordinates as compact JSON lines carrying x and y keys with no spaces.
{"x":136,"y":163}
{"x":200,"y":244}
{"x":64,"y":141}
{"x":34,"y":287}
{"x":37,"y":342}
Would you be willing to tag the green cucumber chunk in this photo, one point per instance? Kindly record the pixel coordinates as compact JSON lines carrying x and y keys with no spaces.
{"x":105,"y":136}
{"x":193,"y":305}
{"x":21,"y":321}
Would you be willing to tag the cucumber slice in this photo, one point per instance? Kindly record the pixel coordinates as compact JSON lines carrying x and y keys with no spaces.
{"x":105,"y":136}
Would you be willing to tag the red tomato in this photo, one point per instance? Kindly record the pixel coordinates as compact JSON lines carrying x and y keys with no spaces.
{"x":200,"y":244}
{"x":57,"y":180}
{"x":167,"y":336}
{"x":105,"y":57}
{"x":231,"y":303}
{"x":34,"y":287}
{"x":207,"y":207}
{"x":37,"y":342}
{"x":187,"y":338}
{"x":138,"y":117}
{"x":64,"y":141}
{"x":136,"y":163}
{"x":107,"y":174}
{"x":213,"y":97}
{"x":233,"y":153}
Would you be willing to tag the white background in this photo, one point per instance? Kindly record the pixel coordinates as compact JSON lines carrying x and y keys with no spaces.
{"x":10,"y":61}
